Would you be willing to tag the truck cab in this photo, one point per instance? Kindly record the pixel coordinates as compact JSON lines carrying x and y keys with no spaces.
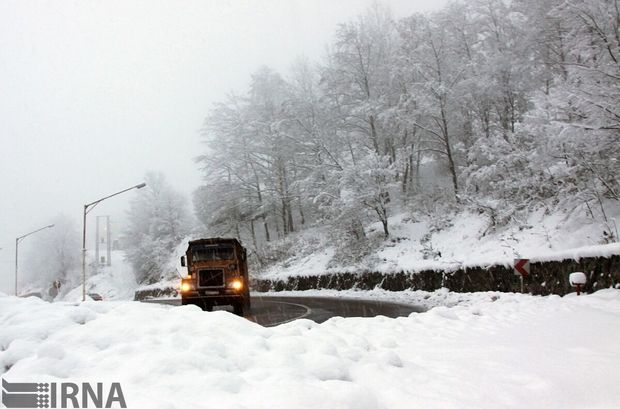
{"x":217,"y":275}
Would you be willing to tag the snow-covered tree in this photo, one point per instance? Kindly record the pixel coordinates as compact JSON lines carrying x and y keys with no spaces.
{"x":496,"y":106}
{"x":157,"y":221}
{"x":53,"y":254}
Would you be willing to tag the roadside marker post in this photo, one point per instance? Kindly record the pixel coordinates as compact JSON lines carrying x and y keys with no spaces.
{"x":577,"y":280}
{"x":521,"y":267}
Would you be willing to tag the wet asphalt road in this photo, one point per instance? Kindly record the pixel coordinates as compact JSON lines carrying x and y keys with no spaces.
{"x":275,"y":310}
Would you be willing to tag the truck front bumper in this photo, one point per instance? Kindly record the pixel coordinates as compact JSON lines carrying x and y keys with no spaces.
{"x":220,"y":297}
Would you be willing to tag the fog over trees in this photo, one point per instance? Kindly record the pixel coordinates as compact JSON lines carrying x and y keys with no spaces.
{"x":157,"y":221}
{"x":500,"y":107}
{"x":53,"y":254}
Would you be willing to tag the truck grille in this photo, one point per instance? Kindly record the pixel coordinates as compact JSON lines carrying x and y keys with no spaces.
{"x":211,"y":278}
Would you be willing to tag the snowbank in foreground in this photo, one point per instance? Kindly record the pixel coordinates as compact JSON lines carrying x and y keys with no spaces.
{"x":513,"y":351}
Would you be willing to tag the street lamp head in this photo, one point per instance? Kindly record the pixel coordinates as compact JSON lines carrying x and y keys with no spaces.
{"x":140,"y":186}
{"x":50,"y":226}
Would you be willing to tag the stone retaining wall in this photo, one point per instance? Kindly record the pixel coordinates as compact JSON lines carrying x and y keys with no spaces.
{"x":546,"y":278}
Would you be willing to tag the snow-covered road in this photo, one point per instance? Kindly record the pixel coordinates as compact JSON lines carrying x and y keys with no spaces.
{"x":514,"y":351}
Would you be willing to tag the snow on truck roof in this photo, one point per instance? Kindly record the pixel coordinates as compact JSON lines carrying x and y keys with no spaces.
{"x":216,"y":240}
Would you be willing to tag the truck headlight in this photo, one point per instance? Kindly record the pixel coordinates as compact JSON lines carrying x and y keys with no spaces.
{"x":236,"y":284}
{"x":185,"y":287}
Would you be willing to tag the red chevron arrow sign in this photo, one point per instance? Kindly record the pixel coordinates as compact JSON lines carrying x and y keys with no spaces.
{"x":522,"y":267}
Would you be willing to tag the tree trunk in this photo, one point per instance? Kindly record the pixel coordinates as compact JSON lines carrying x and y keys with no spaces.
{"x":301,"y":211}
{"x":289,"y":211}
{"x":451,"y":165}
{"x":385,"y":228}
{"x":253,"y":234}
{"x":405,"y":179}
{"x":373,"y":135}
{"x":382,"y":212}
{"x":266,"y":226}
{"x":260,"y":202}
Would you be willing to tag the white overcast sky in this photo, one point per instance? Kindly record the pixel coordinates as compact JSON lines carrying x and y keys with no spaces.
{"x":93,"y":94}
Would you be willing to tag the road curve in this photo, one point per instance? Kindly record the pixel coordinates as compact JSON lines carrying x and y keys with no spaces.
{"x":275,"y":310}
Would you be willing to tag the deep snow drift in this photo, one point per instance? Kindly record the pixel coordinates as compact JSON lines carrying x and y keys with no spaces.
{"x":499,"y":350}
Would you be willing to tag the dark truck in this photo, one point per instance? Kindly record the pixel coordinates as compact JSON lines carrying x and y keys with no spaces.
{"x":217,"y":275}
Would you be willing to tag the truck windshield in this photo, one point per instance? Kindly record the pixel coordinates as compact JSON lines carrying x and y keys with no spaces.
{"x":212,"y":253}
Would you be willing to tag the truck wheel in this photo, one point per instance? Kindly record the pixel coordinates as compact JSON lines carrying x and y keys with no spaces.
{"x":238,"y":308}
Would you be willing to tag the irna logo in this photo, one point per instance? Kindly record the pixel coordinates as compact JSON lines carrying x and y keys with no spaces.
{"x":62,"y":395}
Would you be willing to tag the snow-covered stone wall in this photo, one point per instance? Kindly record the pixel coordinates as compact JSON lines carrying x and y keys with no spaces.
{"x":547,"y":277}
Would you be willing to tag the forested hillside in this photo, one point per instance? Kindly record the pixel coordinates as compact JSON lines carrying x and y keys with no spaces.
{"x":501,"y":109}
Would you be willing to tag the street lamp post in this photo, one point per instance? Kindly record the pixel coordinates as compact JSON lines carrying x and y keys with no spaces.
{"x":17,"y":240}
{"x":87,"y":208}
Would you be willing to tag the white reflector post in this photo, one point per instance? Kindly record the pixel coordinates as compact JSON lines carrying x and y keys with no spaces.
{"x":576,"y":279}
